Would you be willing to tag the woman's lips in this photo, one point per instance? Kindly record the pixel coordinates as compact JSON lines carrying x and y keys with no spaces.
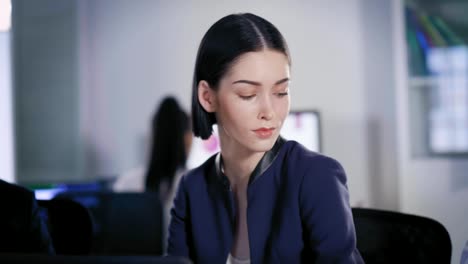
{"x":264,"y":132}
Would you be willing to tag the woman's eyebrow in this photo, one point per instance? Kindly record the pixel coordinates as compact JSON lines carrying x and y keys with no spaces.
{"x":248,"y":82}
{"x":259,"y":84}
{"x":282,"y":81}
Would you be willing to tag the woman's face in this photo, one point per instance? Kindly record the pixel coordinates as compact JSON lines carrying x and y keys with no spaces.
{"x":253,"y":100}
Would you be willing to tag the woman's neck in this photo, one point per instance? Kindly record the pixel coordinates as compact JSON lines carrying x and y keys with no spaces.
{"x":238,"y":163}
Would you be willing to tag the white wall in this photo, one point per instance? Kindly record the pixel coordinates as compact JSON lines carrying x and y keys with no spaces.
{"x":6,"y":111}
{"x":433,"y":187}
{"x":44,"y":39}
{"x":380,"y":102}
{"x":136,"y":52}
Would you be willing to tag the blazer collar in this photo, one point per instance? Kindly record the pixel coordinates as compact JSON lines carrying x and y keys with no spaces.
{"x":261,"y":167}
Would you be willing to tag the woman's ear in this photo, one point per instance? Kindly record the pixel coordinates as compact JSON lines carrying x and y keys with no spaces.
{"x":206,"y":97}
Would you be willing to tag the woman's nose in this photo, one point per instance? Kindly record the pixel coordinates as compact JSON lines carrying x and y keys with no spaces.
{"x":266,"y":110}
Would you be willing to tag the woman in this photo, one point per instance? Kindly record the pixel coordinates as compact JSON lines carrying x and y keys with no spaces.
{"x":262,"y":199}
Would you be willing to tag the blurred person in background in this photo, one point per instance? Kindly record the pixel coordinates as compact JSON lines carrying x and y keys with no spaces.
{"x":171,"y":140}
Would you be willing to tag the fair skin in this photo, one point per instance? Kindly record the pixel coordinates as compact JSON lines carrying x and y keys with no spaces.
{"x":250,"y":105}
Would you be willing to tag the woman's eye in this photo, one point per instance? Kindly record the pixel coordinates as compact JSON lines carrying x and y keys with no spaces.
{"x":247,"y":97}
{"x":282,"y":94}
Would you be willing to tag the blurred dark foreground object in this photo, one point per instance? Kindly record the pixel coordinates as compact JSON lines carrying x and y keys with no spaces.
{"x":22,"y":229}
{"x":47,"y":259}
{"x":70,"y":226}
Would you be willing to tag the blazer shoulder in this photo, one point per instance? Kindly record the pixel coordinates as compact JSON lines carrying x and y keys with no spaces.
{"x":314,"y":165}
{"x":300,"y":154}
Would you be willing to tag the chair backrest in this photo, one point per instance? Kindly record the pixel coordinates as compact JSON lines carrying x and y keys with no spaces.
{"x":69,"y":225}
{"x":125,"y":223}
{"x":392,"y":237}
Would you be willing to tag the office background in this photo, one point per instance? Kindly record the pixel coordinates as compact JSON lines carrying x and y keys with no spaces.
{"x":87,"y":76}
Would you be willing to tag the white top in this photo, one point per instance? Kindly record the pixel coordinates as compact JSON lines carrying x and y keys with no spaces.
{"x":233,"y":260}
{"x":131,"y":181}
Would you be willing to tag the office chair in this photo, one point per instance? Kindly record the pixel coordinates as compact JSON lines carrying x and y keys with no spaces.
{"x":69,"y":225}
{"x":392,"y":237}
{"x":125,"y":223}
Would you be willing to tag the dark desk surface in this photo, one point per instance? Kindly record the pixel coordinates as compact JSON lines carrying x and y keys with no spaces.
{"x":45,"y":259}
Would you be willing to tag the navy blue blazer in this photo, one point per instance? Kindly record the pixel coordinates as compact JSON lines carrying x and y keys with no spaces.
{"x":298,"y":211}
{"x":22,"y":229}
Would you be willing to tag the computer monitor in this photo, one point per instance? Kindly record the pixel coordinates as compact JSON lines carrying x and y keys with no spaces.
{"x":49,"y":191}
{"x":301,"y":126}
{"x":304,"y":127}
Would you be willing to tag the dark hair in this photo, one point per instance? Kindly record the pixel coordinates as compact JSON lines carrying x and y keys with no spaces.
{"x":224,"y":42}
{"x":168,"y":153}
